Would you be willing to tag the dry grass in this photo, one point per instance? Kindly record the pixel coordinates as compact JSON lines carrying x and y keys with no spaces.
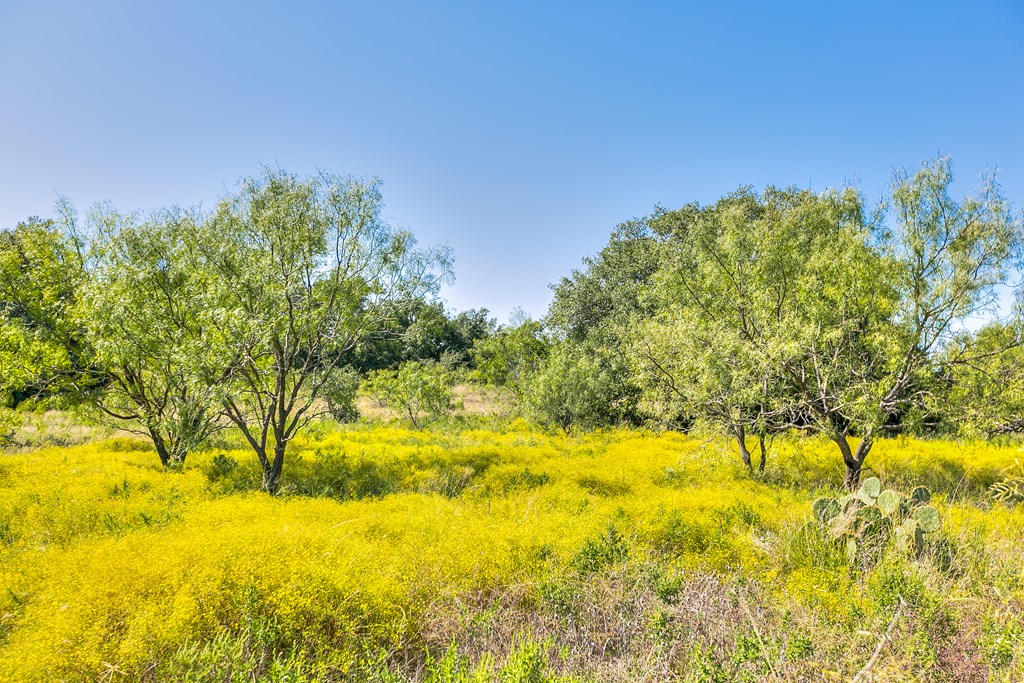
{"x":54,"y":428}
{"x":476,"y":400}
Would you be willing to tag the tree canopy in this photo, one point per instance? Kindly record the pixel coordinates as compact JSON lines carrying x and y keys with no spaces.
{"x":789,"y":308}
{"x":757,"y":314}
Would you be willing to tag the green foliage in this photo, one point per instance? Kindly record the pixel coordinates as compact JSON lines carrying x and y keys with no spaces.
{"x":981,"y":392}
{"x":10,"y":421}
{"x":595,"y":310}
{"x":866,"y":344}
{"x":1010,"y":490}
{"x":42,"y":351}
{"x":598,"y":552}
{"x":141,"y":308}
{"x":422,"y":330}
{"x":794,"y":309}
{"x":573,"y":390}
{"x":340,"y":391}
{"x":511,"y":355}
{"x":177,"y":317}
{"x":611,"y":288}
{"x":222,"y":466}
{"x":727,"y":289}
{"x":421,"y":391}
{"x":297,"y":272}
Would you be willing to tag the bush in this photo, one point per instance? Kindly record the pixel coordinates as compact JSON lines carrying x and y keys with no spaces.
{"x":510,"y":356}
{"x":420,"y":390}
{"x":222,"y":466}
{"x":1009,"y":490}
{"x":10,"y":421}
{"x":573,"y":390}
{"x":340,"y":391}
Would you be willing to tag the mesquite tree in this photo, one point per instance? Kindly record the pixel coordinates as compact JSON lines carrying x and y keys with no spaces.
{"x":805,"y":310}
{"x":296,"y":273}
{"x":139,"y":308}
{"x":39,"y":345}
{"x":865,"y":347}
{"x":726,"y":290}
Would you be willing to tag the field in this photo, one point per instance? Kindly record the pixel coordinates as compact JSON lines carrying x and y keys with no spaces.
{"x":501,"y":554}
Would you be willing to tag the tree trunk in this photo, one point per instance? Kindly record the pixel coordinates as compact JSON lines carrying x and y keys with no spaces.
{"x":764,"y":453}
{"x":852,"y":478}
{"x":272,"y":470}
{"x":741,"y":441}
{"x":175,"y":451}
{"x":854,"y":460}
{"x":161,"y":446}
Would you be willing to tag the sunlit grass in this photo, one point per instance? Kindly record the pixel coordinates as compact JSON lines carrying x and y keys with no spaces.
{"x":388,"y":545}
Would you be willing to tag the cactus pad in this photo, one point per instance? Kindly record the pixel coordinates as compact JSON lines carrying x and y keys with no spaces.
{"x":868,"y":517}
{"x":871,"y":487}
{"x":920,"y":496}
{"x":927,"y":519}
{"x":825,"y":509}
{"x":888,"y":502}
{"x":851,"y":549}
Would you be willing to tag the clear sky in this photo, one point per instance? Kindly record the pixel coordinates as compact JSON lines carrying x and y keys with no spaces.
{"x":518,"y":133}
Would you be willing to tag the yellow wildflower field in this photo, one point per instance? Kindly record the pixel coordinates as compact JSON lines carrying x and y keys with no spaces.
{"x":506,"y":554}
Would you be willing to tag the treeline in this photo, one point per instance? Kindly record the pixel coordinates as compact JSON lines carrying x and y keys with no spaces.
{"x":261,"y":314}
{"x":789,"y":309}
{"x":762,"y":313}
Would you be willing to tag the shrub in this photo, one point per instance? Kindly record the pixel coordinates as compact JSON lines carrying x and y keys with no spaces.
{"x":573,"y":390}
{"x":1011,"y":489}
{"x":9,"y":423}
{"x":340,"y":391}
{"x":222,"y":466}
{"x":420,"y":390}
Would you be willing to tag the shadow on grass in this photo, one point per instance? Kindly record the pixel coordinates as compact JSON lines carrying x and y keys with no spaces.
{"x":342,"y":476}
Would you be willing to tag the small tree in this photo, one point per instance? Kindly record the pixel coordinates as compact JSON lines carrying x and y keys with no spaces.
{"x":725,"y":294}
{"x":704,"y":371}
{"x":340,"y":392}
{"x":419,"y":390}
{"x":141,"y":314}
{"x":296,"y":272}
{"x":862,"y":350}
{"x":573,"y":389}
{"x":510,"y":356}
{"x":982,"y":383}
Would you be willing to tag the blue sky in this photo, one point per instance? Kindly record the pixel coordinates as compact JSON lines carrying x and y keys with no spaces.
{"x":518,"y":133}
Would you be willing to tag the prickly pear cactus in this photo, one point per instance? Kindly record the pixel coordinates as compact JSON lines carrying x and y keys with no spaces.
{"x":909,"y":536}
{"x":921,"y":496}
{"x":868,"y":520}
{"x":888,"y":502}
{"x":826,"y":509}
{"x":927,"y":518}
